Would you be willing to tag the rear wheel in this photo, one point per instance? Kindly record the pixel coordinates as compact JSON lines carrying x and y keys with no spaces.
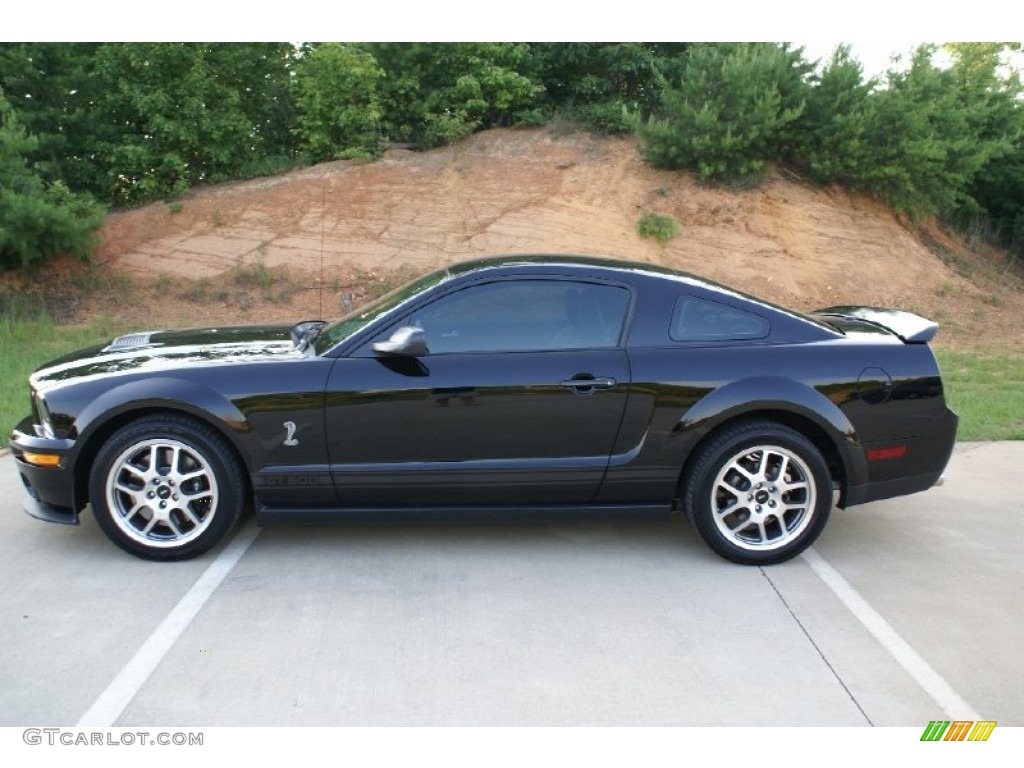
{"x":166,"y":488}
{"x":758,"y":493}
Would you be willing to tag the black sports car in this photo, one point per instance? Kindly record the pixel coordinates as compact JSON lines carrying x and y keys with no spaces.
{"x":515,"y":386}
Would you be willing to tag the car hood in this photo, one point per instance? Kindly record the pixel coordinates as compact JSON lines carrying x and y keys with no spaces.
{"x":162,"y":350}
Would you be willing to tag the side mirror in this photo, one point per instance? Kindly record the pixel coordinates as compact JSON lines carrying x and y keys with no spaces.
{"x":407,"y":341}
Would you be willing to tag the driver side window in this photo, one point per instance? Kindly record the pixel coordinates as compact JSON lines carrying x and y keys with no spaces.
{"x":525,"y":315}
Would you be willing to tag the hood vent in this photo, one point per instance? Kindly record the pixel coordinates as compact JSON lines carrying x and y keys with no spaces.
{"x":129,"y":341}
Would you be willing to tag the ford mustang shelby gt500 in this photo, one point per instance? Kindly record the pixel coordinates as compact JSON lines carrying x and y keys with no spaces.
{"x":531,"y":386}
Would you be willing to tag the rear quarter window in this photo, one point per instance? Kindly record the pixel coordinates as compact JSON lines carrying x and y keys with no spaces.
{"x":695,"y":319}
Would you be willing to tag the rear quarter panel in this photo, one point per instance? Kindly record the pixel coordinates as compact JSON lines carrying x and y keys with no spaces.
{"x":858,"y":391}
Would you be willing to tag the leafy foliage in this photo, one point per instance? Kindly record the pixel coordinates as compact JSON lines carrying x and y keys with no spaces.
{"x":37,"y":218}
{"x":133,"y":122}
{"x":50,"y":86}
{"x":182,"y":113}
{"x":831,"y":144}
{"x":436,"y":93}
{"x":922,"y":151}
{"x":730,"y":113}
{"x":336,"y":92}
{"x":994,"y":197}
{"x":602,"y":84}
{"x":920,"y":142}
{"x":659,"y":226}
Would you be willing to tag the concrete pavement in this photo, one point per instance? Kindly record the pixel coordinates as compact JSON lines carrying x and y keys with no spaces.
{"x":534,"y":624}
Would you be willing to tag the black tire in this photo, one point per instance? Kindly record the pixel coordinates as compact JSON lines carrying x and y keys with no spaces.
{"x":758,"y":493}
{"x":166,"y":487}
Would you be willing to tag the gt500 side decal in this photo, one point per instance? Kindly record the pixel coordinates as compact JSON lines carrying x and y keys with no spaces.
{"x":292,"y":477}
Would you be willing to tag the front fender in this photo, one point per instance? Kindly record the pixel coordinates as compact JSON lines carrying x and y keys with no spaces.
{"x":163,"y":392}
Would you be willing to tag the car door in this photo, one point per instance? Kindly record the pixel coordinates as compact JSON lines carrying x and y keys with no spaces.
{"x":517,"y":402}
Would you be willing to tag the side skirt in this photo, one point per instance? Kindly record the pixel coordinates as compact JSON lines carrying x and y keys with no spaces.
{"x":267,"y":516}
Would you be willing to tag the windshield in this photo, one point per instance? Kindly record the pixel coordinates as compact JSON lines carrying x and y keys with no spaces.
{"x":355,"y":321}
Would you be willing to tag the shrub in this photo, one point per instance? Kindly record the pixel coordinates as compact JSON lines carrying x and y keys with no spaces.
{"x":37,"y":220}
{"x":336,"y":92}
{"x":661,"y":227}
{"x":608,"y":118}
{"x":731,"y":112}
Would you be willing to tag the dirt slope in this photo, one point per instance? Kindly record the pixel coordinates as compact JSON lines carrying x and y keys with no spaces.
{"x":211,"y":257}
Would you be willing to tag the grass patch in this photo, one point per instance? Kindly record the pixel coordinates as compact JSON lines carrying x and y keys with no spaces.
{"x":253,"y":275}
{"x":993,"y":299}
{"x":984,"y":387}
{"x":662,"y":228}
{"x":197,"y":292}
{"x":959,"y":261}
{"x":254,"y":281}
{"x":29,"y":337}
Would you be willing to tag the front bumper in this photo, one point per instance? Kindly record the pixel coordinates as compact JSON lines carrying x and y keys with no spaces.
{"x":50,"y":490}
{"x":49,"y":513}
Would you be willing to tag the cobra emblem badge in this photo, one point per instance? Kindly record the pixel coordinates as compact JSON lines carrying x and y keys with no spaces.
{"x":289,"y":439}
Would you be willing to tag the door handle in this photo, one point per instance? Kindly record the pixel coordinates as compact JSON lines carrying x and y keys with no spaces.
{"x":585,"y":386}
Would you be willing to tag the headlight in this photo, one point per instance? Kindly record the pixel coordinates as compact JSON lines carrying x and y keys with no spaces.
{"x":42,"y":414}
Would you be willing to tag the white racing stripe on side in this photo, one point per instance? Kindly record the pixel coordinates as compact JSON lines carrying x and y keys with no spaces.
{"x":112,"y":702}
{"x":931,"y":681}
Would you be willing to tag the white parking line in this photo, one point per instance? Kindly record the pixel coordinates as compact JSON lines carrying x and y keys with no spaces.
{"x":112,"y":702}
{"x":920,"y":670}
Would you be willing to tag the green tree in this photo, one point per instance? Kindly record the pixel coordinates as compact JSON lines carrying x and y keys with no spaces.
{"x":38,"y":219}
{"x":183,"y":113}
{"x":732,"y":111}
{"x":830,"y":143}
{"x":261,"y":74}
{"x":924,"y":145}
{"x":435,"y":93}
{"x":336,"y":93}
{"x":133,"y":121}
{"x":52,"y":88}
{"x":990,"y":94}
{"x":602,"y":84}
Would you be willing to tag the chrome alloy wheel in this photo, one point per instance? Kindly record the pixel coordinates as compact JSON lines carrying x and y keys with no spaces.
{"x":763,"y":498}
{"x":161,"y":492}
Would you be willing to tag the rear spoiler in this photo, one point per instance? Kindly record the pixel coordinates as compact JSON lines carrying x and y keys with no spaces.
{"x":913,"y":329}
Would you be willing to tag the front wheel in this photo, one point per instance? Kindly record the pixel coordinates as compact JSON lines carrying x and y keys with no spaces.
{"x":166,"y":488}
{"x":758,"y":493}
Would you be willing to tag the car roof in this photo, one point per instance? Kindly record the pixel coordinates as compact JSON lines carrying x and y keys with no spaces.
{"x":513,"y":262}
{"x":580,"y":262}
{"x":573,"y":261}
{"x":560,"y":259}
